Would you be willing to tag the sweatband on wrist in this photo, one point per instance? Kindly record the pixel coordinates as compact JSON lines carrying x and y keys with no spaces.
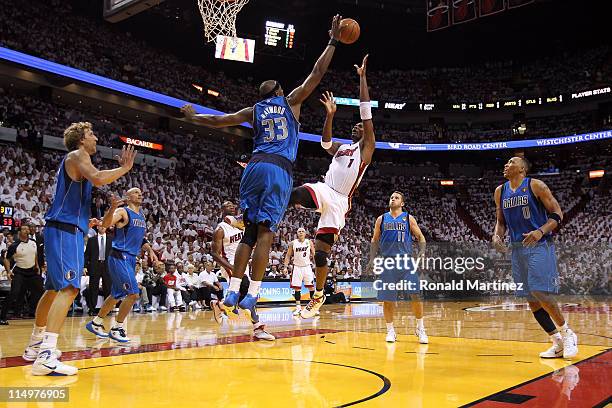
{"x":365,"y":110}
{"x":326,"y":145}
{"x":333,"y":42}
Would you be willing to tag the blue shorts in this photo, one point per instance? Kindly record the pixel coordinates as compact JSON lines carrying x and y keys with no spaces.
{"x":122,"y":271}
{"x":65,"y":256}
{"x":535,"y":268}
{"x":265,"y":190}
{"x":409,"y":285}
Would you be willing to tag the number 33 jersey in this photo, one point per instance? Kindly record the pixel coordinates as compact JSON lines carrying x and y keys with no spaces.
{"x":276,"y":129}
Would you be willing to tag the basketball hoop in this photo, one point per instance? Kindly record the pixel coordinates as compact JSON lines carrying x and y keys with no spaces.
{"x":219,"y":17}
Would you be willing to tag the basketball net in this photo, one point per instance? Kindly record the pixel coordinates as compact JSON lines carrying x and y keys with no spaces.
{"x":219,"y":17}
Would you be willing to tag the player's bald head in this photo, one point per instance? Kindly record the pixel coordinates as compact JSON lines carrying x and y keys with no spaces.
{"x":134,"y":195}
{"x":270,"y":88}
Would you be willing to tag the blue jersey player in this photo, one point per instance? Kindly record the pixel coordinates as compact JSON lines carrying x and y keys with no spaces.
{"x":393,"y":234}
{"x":67,"y":222}
{"x":130,"y":229}
{"x":267,"y":180}
{"x":528,"y":211}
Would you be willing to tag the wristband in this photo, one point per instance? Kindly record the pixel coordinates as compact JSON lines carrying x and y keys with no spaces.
{"x":556,"y":217}
{"x":365,"y":110}
{"x":333,"y":42}
{"x":326,"y":145}
{"x":541,"y":232}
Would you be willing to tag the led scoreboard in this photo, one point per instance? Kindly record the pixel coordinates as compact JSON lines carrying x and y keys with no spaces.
{"x":6,"y":217}
{"x":279,"y":34}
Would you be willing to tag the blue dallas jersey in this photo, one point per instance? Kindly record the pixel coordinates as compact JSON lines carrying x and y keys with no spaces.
{"x":276,"y":129}
{"x":395,"y":237}
{"x":72,"y":200}
{"x":129,"y":238}
{"x":523,"y":211}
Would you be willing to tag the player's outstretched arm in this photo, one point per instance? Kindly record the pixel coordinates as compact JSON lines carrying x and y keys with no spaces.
{"x":500,"y":224}
{"x":327,"y":99}
{"x":543,"y":193}
{"x":115,"y":215}
{"x":374,"y":245}
{"x":218,"y":121}
{"x":369,"y":141}
{"x":299,"y":94}
{"x":82,"y":164}
{"x":217,"y":246}
{"x":416,"y":232}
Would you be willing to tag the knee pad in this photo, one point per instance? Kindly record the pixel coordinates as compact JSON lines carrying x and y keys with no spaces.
{"x":320,"y":258}
{"x":250,"y":235}
{"x":328,"y":238}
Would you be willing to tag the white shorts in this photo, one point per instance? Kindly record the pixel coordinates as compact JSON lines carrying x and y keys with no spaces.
{"x":302,"y":274}
{"x":332,"y":205}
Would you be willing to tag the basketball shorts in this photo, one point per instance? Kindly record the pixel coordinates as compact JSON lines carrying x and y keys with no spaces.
{"x":265,"y":189}
{"x":65,"y":256}
{"x":535,"y":268}
{"x":396,"y":284}
{"x":302,"y":274}
{"x":332,"y":205}
{"x":122,"y":271}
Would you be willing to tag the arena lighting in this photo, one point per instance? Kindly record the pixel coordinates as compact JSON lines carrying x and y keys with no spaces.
{"x":58,"y":69}
{"x":596,"y":174}
{"x":447,"y":182}
{"x":141,"y":143}
{"x":213,"y":93}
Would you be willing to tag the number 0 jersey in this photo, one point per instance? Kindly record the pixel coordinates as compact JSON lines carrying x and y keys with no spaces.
{"x":523,"y":211}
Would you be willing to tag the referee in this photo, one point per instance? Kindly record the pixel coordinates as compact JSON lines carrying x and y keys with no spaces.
{"x":24,"y":274}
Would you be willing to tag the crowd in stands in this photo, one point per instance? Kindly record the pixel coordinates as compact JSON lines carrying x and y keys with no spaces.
{"x":51,"y":30}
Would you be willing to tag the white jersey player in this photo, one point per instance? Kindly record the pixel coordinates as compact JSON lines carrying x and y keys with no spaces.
{"x":302,"y":251}
{"x":226,"y":238}
{"x":332,"y":198}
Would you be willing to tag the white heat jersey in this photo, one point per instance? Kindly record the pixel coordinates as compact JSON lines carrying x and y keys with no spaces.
{"x":231,"y":239}
{"x":346,"y":169}
{"x":301,"y":252}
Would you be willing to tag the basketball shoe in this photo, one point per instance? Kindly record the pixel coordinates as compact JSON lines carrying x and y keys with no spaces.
{"x":47,"y":364}
{"x":422,"y":335}
{"x":229,"y":303}
{"x":312,"y":307}
{"x":249,"y":304}
{"x":97,"y":329}
{"x":570,"y":344}
{"x":118,"y":334}
{"x":260,"y":333}
{"x":32,"y":350}
{"x":556,"y":350}
{"x":391,"y":336}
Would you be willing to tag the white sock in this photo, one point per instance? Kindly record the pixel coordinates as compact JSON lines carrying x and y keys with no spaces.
{"x":563,"y":329}
{"x":318,"y":293}
{"x":298,"y":303}
{"x":49,"y":341}
{"x":556,"y":338}
{"x":257,"y":325}
{"x":38,"y":333}
{"x":390,"y":327}
{"x":98,"y":320}
{"x":118,"y":325}
{"x":235,"y":284}
{"x":420,"y":324}
{"x":254,"y":288}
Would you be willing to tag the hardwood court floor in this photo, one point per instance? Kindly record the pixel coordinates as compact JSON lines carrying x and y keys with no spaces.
{"x":475,"y":357}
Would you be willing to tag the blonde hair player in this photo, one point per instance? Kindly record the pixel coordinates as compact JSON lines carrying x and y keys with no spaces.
{"x":333,"y":197}
{"x":302,"y":250}
{"x":392,"y":236}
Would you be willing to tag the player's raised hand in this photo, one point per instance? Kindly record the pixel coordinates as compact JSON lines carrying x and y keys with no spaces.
{"x":327,"y":99}
{"x":499,"y":245}
{"x":361,"y":70}
{"x":532,"y":238}
{"x":116,"y":202}
{"x":188,"y":111}
{"x":335,"y":27}
{"x":126,"y":160}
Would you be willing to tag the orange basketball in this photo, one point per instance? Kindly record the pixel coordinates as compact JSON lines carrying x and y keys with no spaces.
{"x":349,"y":31}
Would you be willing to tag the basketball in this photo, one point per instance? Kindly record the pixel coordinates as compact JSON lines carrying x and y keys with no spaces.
{"x":349,"y":31}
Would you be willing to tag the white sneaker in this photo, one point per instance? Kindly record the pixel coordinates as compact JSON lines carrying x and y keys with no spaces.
{"x":555,"y":351}
{"x":297,"y":311}
{"x":118,"y":334}
{"x":317,"y":313}
{"x":163,"y":308}
{"x":570,"y":344}
{"x":312,"y":307}
{"x":391,"y":336}
{"x":261,"y":334}
{"x":47,"y":364}
{"x":420,"y":333}
{"x":96,"y":329}
{"x":31,"y":352}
